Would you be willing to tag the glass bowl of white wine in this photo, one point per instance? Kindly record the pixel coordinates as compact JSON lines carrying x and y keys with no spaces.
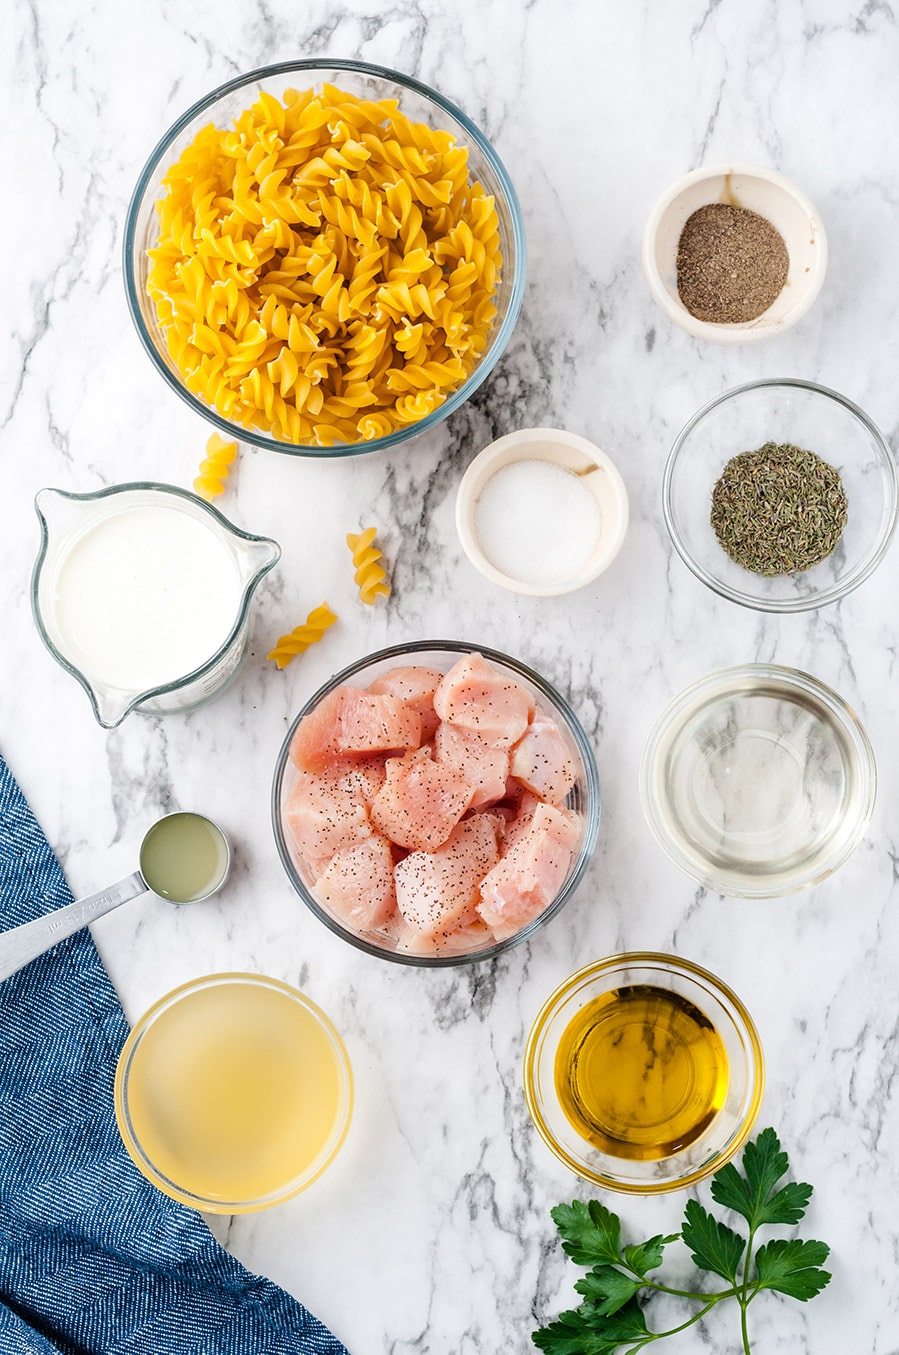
{"x":644,"y":1073}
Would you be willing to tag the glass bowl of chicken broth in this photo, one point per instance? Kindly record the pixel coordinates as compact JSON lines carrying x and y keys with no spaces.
{"x":436,"y":803}
{"x":233,"y":1093}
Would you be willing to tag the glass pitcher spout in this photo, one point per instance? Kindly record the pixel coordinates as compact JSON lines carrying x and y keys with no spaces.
{"x":259,"y":554}
{"x":142,"y":592}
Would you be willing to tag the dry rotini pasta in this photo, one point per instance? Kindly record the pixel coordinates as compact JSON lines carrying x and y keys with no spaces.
{"x":325,"y":270}
{"x":370,"y":576}
{"x":215,"y":467}
{"x":301,"y":637}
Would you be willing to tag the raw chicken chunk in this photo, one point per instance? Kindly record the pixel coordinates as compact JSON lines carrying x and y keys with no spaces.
{"x":348,"y":722}
{"x":530,"y":875}
{"x":480,"y":700}
{"x":485,"y":767}
{"x":328,"y":811}
{"x":520,"y":818}
{"x":437,"y":892}
{"x":541,"y":761}
{"x":358,"y":884}
{"x":415,"y":686}
{"x":421,"y":801}
{"x":474,"y":935}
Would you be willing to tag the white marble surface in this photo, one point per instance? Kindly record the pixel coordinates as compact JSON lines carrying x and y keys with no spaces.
{"x":431,"y":1233}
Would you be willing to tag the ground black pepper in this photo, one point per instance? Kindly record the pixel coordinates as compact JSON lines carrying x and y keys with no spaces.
{"x":731,"y":264}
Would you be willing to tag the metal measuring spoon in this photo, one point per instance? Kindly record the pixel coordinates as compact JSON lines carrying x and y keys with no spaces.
{"x":164,"y":869}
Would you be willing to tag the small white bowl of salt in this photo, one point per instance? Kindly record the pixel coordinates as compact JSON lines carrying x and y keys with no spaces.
{"x":541,"y":512}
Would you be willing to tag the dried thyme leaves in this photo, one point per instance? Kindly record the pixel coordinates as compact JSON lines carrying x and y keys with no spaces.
{"x":779,"y":509}
{"x":731,"y":264}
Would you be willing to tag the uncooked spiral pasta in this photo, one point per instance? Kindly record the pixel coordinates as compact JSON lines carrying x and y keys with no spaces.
{"x":301,"y":637}
{"x":325,"y":269}
{"x":370,"y":576}
{"x":215,"y":467}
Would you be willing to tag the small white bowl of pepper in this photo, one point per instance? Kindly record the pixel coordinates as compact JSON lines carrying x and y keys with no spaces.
{"x":734,"y":253}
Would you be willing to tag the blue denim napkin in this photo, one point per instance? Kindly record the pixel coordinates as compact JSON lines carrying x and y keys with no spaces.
{"x":93,"y":1259}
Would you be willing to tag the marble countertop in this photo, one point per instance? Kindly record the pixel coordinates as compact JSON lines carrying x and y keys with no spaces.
{"x":431,"y":1234}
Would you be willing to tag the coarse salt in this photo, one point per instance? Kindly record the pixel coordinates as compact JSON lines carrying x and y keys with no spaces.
{"x":537,"y":522}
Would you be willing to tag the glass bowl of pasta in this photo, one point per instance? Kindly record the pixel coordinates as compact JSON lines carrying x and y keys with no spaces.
{"x":436,"y":803}
{"x":324,"y":258}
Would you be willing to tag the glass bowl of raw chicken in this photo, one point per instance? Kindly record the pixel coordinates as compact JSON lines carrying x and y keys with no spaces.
{"x":436,"y":803}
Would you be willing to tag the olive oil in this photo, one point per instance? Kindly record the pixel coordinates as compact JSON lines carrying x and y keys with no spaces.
{"x":234,"y":1091}
{"x":641,"y":1072}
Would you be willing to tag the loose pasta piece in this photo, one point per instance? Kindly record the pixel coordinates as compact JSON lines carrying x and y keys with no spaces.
{"x":371,"y":576}
{"x":301,"y":637}
{"x":215,"y":467}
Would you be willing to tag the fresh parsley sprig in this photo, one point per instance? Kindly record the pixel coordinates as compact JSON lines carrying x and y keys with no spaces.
{"x":611,"y":1317}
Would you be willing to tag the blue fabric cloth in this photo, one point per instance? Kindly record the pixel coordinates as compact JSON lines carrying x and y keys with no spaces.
{"x":93,"y":1259}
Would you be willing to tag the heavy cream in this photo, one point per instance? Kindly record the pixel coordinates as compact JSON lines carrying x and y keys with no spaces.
{"x":145,"y":595}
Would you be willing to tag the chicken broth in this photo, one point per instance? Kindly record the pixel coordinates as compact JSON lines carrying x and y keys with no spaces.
{"x":233,"y":1092}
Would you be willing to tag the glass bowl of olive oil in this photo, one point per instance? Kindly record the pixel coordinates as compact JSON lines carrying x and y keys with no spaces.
{"x":233,"y":1093}
{"x":643,"y":1073}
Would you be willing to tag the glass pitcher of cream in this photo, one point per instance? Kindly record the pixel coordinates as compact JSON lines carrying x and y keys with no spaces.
{"x":142,"y":592}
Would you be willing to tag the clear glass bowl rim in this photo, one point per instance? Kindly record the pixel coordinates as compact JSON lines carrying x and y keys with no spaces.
{"x":242,"y":611}
{"x":468,"y":387}
{"x":801,"y":604}
{"x":686,"y":969}
{"x":791,"y":678}
{"x":131,"y":1045}
{"x":592,"y":811}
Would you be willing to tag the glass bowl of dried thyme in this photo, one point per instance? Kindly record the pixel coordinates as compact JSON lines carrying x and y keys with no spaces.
{"x":781,"y":495}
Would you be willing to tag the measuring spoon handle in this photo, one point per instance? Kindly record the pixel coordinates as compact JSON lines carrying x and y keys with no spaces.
{"x":20,"y":945}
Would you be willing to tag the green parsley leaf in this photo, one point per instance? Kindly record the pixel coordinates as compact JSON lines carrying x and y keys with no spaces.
{"x":591,"y":1234}
{"x":608,"y":1288}
{"x":792,"y":1267}
{"x":647,"y":1255}
{"x":787,"y":1205}
{"x":573,"y":1334}
{"x":730,"y":1190}
{"x":628,"y":1324}
{"x":714,"y":1246}
{"x":753,"y":1195}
